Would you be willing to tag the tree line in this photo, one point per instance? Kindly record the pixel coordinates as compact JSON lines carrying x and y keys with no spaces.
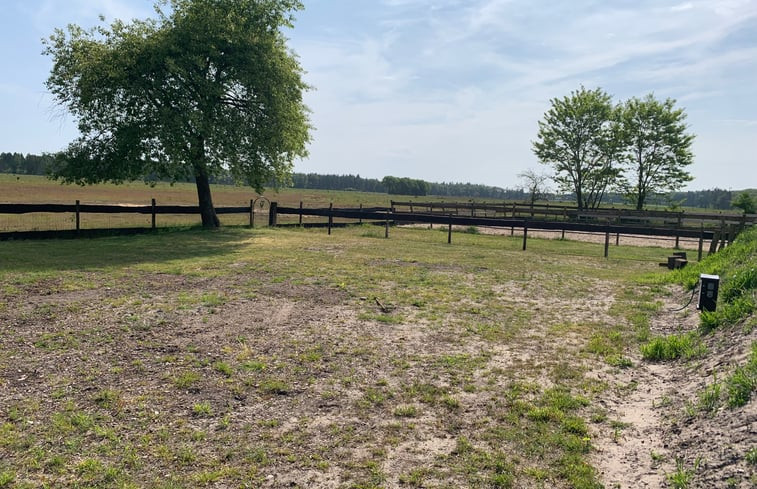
{"x":716,"y":198}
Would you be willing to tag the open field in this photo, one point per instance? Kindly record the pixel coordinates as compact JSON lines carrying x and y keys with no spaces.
{"x":290,"y":358}
{"x":31,"y":189}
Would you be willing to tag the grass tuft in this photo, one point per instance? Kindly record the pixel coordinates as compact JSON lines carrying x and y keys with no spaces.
{"x":673,"y":347}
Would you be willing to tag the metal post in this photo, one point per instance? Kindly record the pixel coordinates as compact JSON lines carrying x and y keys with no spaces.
{"x":78,"y":219}
{"x":153,"y":213}
{"x":525,"y":234}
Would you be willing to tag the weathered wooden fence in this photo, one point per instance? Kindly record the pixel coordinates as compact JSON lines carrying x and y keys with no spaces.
{"x":78,"y":210}
{"x":719,"y":229}
{"x":607,"y":228}
{"x":571,"y":213}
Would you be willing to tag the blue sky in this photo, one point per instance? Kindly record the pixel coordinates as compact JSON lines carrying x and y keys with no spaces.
{"x":452,"y":90}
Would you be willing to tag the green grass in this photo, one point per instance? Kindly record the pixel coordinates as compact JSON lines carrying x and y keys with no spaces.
{"x":673,"y":347}
{"x":742,"y":383}
{"x":203,"y":409}
{"x":683,"y":476}
{"x":737,"y":268}
{"x":177,"y":340}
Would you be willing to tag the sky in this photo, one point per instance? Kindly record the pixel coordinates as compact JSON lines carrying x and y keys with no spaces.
{"x":452,"y":90}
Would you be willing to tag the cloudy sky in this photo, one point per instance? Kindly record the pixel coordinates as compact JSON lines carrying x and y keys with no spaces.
{"x":452,"y":90}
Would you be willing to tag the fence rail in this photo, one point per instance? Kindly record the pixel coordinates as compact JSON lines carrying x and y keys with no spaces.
{"x":391,"y":215}
{"x":78,"y":209}
{"x":566,"y":212}
{"x":526,"y":217}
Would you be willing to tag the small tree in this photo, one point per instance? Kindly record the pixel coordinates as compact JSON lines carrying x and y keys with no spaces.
{"x":535,"y":184}
{"x":578,"y":137}
{"x":746,"y":203}
{"x":208,"y":88}
{"x":656,"y":149}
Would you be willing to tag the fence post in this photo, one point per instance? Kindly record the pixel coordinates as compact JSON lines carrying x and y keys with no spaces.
{"x":78,"y":219}
{"x":701,"y":242}
{"x":360,"y":219}
{"x":300,"y":221}
{"x":331,"y":217}
{"x":449,"y":230}
{"x":525,"y":234}
{"x":152,"y":203}
{"x":607,"y":242}
{"x":252,"y":212}
{"x":272,"y":214}
{"x":386,"y":225}
{"x":722,"y":235}
{"x":617,"y":239}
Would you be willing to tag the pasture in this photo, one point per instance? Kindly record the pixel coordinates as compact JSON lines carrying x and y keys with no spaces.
{"x":32,"y":189}
{"x":290,"y":358}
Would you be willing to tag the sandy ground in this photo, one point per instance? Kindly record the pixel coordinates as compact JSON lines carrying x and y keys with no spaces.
{"x":661,"y":426}
{"x":650,"y":402}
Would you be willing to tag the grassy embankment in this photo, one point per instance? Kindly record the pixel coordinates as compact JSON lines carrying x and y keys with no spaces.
{"x":737,"y":301}
{"x":242,"y":357}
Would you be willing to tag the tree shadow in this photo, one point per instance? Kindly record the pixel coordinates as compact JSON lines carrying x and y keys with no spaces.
{"x":91,"y":254}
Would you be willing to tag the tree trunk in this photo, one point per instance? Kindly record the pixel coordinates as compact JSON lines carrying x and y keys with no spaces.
{"x":207,"y":211}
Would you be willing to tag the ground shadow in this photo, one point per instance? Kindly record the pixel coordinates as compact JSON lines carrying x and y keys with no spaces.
{"x":118,"y":251}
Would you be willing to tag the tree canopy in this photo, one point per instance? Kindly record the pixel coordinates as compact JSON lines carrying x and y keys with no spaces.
{"x":639,"y":147}
{"x":405,"y":186}
{"x":745,"y":202}
{"x":578,"y":138}
{"x":207,"y":87}
{"x":655,"y":148}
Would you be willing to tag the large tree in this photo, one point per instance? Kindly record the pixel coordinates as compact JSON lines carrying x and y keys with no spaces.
{"x":207,"y":87}
{"x":578,"y":138}
{"x":656,"y":149}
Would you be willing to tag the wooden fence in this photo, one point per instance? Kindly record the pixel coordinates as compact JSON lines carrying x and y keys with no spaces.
{"x":391,"y":215}
{"x":720,"y":229}
{"x":78,"y":209}
{"x":572,"y":213}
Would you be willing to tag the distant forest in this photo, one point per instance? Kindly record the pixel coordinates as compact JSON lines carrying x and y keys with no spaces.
{"x":30,"y":164}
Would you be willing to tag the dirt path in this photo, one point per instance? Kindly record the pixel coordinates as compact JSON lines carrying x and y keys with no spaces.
{"x":657,"y":426}
{"x":630,"y":449}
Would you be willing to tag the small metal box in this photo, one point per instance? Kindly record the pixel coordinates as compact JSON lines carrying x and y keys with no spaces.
{"x":708,"y":292}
